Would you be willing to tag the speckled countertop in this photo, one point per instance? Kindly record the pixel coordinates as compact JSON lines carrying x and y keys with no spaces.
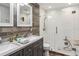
{"x":20,"y":46}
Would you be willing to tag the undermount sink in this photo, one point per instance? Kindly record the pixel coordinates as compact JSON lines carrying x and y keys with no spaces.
{"x":7,"y":46}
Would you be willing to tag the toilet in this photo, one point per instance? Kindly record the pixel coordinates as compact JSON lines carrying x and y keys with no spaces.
{"x":46,"y":49}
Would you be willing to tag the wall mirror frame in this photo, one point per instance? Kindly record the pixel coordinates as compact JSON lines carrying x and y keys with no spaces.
{"x":6,"y":14}
{"x":24,"y":15}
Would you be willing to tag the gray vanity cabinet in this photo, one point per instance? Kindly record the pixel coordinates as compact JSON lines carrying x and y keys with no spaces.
{"x":38,"y":48}
{"x":33,"y":49}
{"x":27,"y":51}
{"x":18,"y":53}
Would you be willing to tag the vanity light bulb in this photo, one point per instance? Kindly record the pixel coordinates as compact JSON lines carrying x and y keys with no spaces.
{"x":50,"y":7}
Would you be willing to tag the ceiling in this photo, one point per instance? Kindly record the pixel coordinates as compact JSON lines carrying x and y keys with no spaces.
{"x":49,"y":6}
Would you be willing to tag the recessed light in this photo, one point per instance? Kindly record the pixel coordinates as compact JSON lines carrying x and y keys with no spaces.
{"x":69,"y":3}
{"x":50,"y":7}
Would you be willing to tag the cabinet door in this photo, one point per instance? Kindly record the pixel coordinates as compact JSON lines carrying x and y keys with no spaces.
{"x":35,"y":50}
{"x":38,"y":50}
{"x":18,"y":53}
{"x":27,"y":51}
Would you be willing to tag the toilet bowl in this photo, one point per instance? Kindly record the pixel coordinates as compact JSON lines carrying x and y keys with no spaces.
{"x":46,"y":49}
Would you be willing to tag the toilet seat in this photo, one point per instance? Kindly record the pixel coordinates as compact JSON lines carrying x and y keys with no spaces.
{"x":46,"y":46}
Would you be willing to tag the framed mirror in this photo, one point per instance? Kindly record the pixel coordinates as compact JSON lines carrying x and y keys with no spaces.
{"x":6,"y":14}
{"x":24,"y":15}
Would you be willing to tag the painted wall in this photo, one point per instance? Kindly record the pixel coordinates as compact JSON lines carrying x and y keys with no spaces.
{"x":43,"y":33}
{"x":66,"y":23}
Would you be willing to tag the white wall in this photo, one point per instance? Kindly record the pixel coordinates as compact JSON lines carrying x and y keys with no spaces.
{"x":42,"y":15}
{"x":66,"y":22}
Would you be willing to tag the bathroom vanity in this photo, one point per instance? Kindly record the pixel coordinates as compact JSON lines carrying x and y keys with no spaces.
{"x":33,"y":48}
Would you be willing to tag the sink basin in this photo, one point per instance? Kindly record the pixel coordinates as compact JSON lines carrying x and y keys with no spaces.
{"x":26,"y":39}
{"x":23,"y":40}
{"x":4,"y":47}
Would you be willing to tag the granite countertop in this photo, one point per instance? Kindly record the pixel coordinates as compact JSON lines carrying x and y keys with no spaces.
{"x":20,"y":46}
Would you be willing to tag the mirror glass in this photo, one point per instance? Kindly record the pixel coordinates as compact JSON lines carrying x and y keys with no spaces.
{"x":4,"y":13}
{"x":25,"y":15}
{"x":6,"y":18}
